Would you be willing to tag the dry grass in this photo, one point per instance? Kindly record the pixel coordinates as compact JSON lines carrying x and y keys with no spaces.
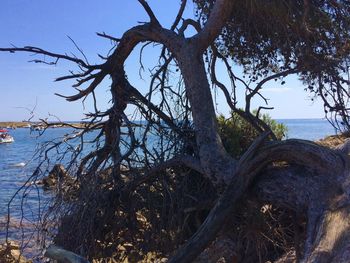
{"x":333,"y":141}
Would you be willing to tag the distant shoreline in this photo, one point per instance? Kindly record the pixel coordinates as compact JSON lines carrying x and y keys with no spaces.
{"x":26,"y":124}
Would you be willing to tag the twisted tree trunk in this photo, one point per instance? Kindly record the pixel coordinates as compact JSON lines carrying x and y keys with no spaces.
{"x":320,"y":193}
{"x":320,"y":189}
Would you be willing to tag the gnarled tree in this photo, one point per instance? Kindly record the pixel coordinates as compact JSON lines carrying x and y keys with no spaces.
{"x":270,"y":40}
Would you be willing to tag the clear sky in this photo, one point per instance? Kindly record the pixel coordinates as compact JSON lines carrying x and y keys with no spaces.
{"x":47,"y":24}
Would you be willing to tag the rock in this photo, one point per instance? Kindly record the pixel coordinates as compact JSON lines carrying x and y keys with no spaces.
{"x":62,"y":255}
{"x":49,"y":182}
{"x":10,"y":252}
{"x":57,"y":174}
{"x":59,"y":180}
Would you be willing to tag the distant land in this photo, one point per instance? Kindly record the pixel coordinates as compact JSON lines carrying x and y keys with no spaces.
{"x":26,"y":124}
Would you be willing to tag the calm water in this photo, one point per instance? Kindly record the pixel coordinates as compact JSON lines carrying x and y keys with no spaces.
{"x":308,"y":129}
{"x":16,"y":165}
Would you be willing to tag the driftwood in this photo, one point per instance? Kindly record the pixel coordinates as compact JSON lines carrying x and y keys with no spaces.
{"x":63,"y":256}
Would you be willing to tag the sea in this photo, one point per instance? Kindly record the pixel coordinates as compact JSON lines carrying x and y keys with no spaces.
{"x":17,"y":165}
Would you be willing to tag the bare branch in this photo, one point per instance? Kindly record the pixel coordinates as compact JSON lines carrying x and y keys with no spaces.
{"x":83,"y":93}
{"x":149,"y":11}
{"x":104,"y":35}
{"x":188,"y":161}
{"x":80,"y":50}
{"x":179,"y":15}
{"x":261,"y":83}
{"x":154,"y":108}
{"x":36,"y":50}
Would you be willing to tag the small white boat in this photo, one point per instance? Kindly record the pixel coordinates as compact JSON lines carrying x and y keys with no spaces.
{"x":5,"y":137}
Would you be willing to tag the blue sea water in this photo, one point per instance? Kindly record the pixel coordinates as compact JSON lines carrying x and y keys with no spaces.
{"x":308,"y":129}
{"x":16,"y":167}
{"x":16,"y":164}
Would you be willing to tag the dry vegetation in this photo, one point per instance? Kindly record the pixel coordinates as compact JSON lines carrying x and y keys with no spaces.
{"x":172,"y":188}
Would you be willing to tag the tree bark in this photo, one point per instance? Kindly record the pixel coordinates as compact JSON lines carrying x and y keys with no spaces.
{"x":331,"y":242}
{"x":217,"y":164}
{"x":321,"y":197}
{"x":321,"y":160}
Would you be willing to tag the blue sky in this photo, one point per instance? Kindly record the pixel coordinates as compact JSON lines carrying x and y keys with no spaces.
{"x":47,"y":24}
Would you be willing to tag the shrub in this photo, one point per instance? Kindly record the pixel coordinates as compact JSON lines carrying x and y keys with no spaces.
{"x":237,"y":134}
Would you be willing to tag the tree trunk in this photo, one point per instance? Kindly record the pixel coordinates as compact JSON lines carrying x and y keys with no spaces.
{"x":323,"y":199}
{"x":314,"y":183}
{"x":331,"y":238}
{"x":217,"y":164}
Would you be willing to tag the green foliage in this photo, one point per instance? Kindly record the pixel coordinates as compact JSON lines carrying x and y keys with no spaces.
{"x":279,"y":129}
{"x":269,"y":35}
{"x":311,"y":38}
{"x":237,"y":134}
